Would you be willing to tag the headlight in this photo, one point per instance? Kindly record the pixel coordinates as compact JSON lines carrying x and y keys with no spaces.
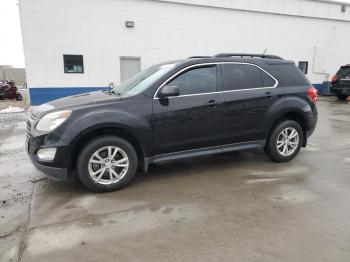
{"x":52,"y":120}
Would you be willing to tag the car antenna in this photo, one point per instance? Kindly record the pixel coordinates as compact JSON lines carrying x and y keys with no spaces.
{"x":264,"y":51}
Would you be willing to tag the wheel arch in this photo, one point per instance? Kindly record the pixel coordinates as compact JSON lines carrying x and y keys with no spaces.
{"x":294,"y":115}
{"x":106,"y":129}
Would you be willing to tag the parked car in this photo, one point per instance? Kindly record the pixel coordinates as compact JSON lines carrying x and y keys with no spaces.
{"x":174,"y":110}
{"x":8,"y":90}
{"x":341,"y":83}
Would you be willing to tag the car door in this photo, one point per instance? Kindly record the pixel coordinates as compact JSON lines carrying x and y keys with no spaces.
{"x":248,"y":93}
{"x":193,"y":118}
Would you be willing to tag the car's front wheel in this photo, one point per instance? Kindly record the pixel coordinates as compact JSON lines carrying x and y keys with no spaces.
{"x":285,"y":141}
{"x":106,"y":164}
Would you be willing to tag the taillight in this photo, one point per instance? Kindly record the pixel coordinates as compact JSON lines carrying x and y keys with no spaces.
{"x":334,"y":79}
{"x":313,"y":94}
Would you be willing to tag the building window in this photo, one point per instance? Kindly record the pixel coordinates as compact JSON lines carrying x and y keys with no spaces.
{"x":303,"y":66}
{"x":73,"y":64}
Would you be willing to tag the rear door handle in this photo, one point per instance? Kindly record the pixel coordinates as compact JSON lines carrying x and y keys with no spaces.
{"x":212,"y":104}
{"x":268,"y":95}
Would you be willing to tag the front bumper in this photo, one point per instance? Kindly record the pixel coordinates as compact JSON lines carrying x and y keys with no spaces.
{"x":57,"y":169}
{"x":55,"y":173}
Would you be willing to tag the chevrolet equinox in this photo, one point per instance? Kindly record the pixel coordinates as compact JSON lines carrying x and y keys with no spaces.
{"x":194,"y":107}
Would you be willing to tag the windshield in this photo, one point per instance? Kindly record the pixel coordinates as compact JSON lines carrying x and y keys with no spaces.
{"x":142,"y":80}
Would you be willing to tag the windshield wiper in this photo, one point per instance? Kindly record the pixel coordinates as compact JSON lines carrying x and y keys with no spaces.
{"x":111,"y":91}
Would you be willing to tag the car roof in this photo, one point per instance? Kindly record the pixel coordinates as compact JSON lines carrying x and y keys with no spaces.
{"x":257,"y":61}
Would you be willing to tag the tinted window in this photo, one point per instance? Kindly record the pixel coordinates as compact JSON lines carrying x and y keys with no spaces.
{"x":73,"y":64}
{"x":303,"y":66}
{"x":289,"y":75}
{"x":196,"y":81}
{"x":343,"y":72}
{"x":268,"y":81}
{"x":236,"y":77}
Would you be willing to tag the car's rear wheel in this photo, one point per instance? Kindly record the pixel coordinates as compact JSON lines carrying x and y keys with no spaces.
{"x":342,"y":97}
{"x":285,"y":141}
{"x":106,"y":164}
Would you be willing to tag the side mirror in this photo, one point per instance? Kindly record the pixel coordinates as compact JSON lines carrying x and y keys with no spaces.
{"x":169,"y":91}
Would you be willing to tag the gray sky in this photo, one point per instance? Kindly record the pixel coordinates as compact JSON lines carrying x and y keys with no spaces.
{"x":11,"y":48}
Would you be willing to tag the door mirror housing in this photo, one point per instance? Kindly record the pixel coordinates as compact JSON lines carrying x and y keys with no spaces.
{"x":169,"y":91}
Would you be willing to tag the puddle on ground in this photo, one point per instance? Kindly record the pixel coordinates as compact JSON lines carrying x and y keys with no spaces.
{"x":293,"y":195}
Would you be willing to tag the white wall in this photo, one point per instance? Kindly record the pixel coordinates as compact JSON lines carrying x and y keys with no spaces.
{"x":167,"y":31}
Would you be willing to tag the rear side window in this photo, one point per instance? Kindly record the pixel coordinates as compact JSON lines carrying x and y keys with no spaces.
{"x":289,"y":75}
{"x":344,"y":72}
{"x":196,"y":81}
{"x":241,"y":76}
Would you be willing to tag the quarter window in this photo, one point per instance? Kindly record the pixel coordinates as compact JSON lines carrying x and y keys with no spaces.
{"x":73,"y":64}
{"x":196,"y":81}
{"x":303,"y":66}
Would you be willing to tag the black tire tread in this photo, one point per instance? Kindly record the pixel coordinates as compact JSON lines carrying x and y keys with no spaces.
{"x":270,"y":148}
{"x":91,"y":147}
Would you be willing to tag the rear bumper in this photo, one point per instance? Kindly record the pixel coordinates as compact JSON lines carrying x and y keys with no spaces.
{"x":341,"y":90}
{"x":312,"y":122}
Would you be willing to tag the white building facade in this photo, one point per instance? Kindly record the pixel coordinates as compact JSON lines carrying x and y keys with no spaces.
{"x":75,"y":46}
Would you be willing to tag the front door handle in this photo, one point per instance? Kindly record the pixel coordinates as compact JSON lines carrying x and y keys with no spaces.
{"x":212,"y":104}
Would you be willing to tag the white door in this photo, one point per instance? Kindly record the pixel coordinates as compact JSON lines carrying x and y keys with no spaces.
{"x":129,"y":66}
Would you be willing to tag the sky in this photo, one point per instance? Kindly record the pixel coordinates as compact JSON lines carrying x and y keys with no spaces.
{"x":11,"y":47}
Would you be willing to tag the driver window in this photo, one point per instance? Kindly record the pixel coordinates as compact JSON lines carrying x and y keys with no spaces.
{"x":196,"y":81}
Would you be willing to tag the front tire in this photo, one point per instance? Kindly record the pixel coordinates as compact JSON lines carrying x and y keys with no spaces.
{"x":285,"y":141}
{"x":342,"y":97}
{"x":106,"y":164}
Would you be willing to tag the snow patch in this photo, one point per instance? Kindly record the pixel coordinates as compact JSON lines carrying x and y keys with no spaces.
{"x":11,"y":110}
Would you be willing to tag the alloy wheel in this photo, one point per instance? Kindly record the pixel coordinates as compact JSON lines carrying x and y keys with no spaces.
{"x":108,"y":165}
{"x":287,"y":141}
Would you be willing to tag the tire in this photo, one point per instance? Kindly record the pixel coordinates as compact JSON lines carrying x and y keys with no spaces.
{"x":274,"y":145}
{"x":106,"y":180}
{"x":342,"y":97}
{"x":19,"y":97}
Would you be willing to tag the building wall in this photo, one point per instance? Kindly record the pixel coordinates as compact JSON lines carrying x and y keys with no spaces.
{"x":13,"y":74}
{"x":299,"y":30}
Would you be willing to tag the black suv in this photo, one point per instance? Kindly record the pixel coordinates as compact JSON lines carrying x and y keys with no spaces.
{"x":188,"y":108}
{"x":341,"y":83}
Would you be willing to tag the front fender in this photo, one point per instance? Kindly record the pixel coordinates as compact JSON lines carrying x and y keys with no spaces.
{"x":83,"y":121}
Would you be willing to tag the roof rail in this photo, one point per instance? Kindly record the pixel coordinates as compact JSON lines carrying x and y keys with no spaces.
{"x":193,"y":57}
{"x":247,"y":55}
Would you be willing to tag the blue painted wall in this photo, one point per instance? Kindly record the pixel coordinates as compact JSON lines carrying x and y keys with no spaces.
{"x":40,"y":96}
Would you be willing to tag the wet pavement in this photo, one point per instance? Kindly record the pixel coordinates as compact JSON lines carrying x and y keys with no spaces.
{"x":232,"y":207}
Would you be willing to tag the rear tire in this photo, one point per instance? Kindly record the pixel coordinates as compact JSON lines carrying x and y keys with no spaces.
{"x":106,"y":164}
{"x":342,"y":97}
{"x":284,"y":141}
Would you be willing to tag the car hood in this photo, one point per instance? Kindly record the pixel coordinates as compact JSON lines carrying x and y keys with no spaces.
{"x":76,"y":101}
